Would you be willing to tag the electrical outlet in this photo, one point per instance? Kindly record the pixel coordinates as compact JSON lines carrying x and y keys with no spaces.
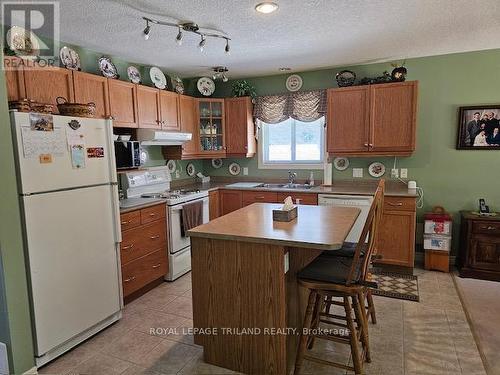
{"x":357,"y":172}
{"x":177,"y":174}
{"x":404,"y":173}
{"x":394,"y":173}
{"x":245,"y":171}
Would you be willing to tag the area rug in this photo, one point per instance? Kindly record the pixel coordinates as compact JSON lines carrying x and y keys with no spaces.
{"x":395,"y":285}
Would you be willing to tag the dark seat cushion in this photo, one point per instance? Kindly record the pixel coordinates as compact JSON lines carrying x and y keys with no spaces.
{"x":328,"y":269}
{"x":348,"y":249}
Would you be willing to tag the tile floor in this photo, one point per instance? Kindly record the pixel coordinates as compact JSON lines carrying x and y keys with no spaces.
{"x":427,"y":338}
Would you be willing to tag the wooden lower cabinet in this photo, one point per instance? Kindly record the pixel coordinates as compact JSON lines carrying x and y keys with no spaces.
{"x":249,"y":197}
{"x":396,"y":242}
{"x":305,"y":198}
{"x":230,"y":200}
{"x":479,"y":253}
{"x":143,"y":250}
{"x":214,"y":204}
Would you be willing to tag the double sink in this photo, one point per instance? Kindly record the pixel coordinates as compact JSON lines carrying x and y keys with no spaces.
{"x":286,"y":186}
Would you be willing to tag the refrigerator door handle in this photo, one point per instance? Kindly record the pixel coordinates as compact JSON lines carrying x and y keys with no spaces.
{"x":116,"y":208}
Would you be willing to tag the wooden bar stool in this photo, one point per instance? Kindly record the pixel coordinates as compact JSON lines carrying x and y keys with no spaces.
{"x":329,"y":278}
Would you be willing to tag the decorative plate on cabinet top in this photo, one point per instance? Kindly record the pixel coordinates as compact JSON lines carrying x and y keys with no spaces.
{"x":70,"y":58}
{"x":234,"y":169}
{"x":345,"y":78}
{"x":206,"y":86}
{"x":108,"y":69}
{"x":294,"y":82}
{"x":157,"y":77}
{"x":190,"y":170}
{"x":23,"y":42}
{"x":341,"y":164}
{"x":376,"y":169}
{"x":171,"y":166}
{"x":217,"y":163}
{"x":133,"y":74}
{"x":178,"y":85}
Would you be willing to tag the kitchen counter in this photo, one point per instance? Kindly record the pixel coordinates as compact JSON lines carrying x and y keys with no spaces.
{"x":246,"y":299}
{"x":133,"y":204}
{"x":343,"y":187}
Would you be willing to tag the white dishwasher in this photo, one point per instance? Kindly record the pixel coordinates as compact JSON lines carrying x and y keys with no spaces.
{"x":363,"y":202}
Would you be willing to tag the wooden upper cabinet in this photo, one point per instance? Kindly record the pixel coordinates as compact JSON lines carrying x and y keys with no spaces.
{"x":373,"y":120}
{"x":91,"y":88}
{"x":123,"y":103}
{"x":187,"y":109}
{"x":148,"y":105}
{"x":393,"y":117}
{"x":348,"y":119}
{"x":169,"y":110}
{"x":14,"y":78}
{"x":45,"y":84}
{"x":239,"y":127}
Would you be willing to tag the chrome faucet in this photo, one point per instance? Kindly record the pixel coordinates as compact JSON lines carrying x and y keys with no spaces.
{"x":292,"y":176}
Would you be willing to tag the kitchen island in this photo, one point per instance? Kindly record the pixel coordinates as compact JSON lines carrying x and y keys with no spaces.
{"x":247,"y":305}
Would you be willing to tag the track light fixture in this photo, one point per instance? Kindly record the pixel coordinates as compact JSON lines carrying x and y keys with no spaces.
{"x":178,"y":38}
{"x":147,"y":30}
{"x":202,"y":43}
{"x":220,"y":73}
{"x":188,"y":27}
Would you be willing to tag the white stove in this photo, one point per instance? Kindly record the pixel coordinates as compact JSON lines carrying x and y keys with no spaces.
{"x":154,"y":183}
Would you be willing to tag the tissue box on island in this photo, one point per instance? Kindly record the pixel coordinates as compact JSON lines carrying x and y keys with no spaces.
{"x":285,"y":215}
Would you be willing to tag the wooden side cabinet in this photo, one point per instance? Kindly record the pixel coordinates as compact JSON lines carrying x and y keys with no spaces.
{"x":374,"y":120}
{"x":479,"y":253}
{"x":239,"y":127}
{"x":396,"y":242}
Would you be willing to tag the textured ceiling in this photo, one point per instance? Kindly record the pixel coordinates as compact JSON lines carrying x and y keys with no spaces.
{"x":302,"y":34}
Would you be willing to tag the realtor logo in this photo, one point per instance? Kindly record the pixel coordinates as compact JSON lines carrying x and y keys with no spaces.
{"x":31,"y":31}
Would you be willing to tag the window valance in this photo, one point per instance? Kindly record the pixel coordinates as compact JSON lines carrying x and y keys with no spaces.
{"x":304,"y":106}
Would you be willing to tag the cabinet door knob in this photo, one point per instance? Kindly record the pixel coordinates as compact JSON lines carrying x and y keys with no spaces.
{"x":157,"y":265}
{"x":129,"y":279}
{"x":370,"y":144}
{"x":154,"y":237}
{"x":246,"y":147}
{"x":152,"y":214}
{"x":125,"y":222}
{"x":489,"y":228}
{"x":129,"y":247}
{"x":365,"y":144}
{"x":398,"y":204}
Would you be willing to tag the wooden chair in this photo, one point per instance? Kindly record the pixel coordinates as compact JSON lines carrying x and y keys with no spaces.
{"x":328,"y":278}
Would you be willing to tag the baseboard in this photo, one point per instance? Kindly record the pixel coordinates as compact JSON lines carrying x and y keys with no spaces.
{"x":31,"y":371}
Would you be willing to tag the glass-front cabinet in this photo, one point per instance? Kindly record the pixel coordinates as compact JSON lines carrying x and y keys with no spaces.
{"x":211,"y":127}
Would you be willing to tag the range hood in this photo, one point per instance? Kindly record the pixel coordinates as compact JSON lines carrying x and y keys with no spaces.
{"x":151,"y":137}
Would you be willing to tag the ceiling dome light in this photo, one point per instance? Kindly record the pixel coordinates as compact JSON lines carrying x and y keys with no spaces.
{"x":178,"y":38}
{"x":203,"y":41}
{"x":266,"y":7}
{"x":147,"y":31}
{"x":227,"y":49}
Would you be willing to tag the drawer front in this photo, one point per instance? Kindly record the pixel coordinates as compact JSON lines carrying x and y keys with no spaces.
{"x":130,"y":220}
{"x":400,"y":204}
{"x":250,"y":197}
{"x":305,"y":198}
{"x":153,"y":213}
{"x":142,"y":271}
{"x":486,"y":227}
{"x":140,"y":241}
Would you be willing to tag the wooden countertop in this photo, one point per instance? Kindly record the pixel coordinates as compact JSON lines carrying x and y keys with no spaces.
{"x":316,"y":227}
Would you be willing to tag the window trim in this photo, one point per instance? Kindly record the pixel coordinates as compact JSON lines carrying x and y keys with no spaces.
{"x":279,"y":165}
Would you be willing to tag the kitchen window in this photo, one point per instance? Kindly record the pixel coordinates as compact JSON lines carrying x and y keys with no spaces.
{"x":292,"y":144}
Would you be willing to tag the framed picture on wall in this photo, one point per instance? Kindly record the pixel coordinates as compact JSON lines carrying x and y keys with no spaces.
{"x":479,"y":128}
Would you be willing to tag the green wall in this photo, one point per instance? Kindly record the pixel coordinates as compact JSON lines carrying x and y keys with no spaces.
{"x":15,"y":325}
{"x":449,"y":177}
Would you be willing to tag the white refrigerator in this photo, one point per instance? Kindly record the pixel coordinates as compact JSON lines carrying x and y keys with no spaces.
{"x":68,"y":191}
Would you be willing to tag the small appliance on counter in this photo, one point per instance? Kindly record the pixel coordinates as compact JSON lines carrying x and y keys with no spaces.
{"x":155,"y":183}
